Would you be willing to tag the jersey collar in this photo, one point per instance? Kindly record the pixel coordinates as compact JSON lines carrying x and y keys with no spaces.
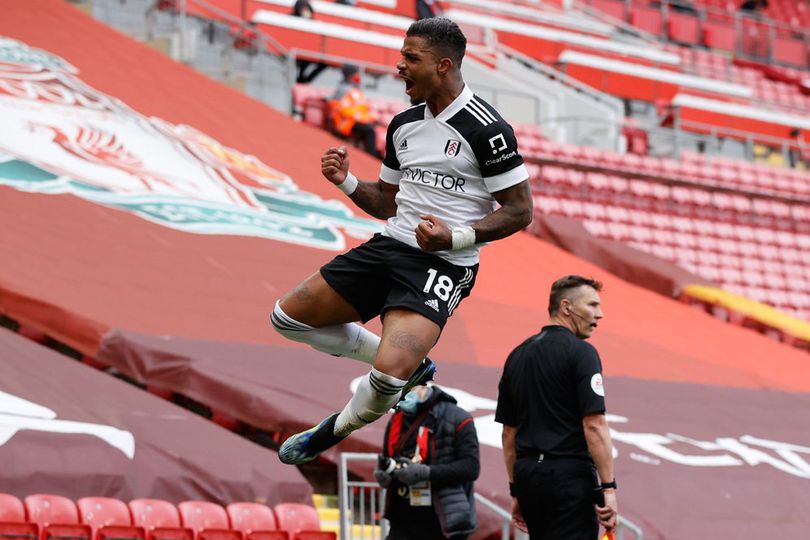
{"x":451,"y":110}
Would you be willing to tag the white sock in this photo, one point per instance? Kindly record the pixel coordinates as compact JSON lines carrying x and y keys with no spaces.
{"x":350,"y":340}
{"x":375,"y":395}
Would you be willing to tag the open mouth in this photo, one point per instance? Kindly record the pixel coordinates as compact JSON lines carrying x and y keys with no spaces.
{"x":408,"y":84}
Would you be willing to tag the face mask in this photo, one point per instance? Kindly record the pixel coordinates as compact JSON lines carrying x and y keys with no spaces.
{"x":410,"y":403}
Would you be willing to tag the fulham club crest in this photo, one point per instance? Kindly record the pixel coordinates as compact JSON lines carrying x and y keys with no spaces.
{"x":452,"y":148}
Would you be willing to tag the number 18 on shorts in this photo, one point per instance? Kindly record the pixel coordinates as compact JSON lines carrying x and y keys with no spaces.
{"x":385,"y":274}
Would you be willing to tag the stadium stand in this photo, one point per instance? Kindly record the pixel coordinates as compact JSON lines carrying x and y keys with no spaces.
{"x":776,"y":34}
{"x":106,"y":518}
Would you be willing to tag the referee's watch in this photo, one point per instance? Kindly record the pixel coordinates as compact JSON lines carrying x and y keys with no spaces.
{"x":609,"y":485}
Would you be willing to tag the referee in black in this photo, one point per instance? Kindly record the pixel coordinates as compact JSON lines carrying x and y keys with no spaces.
{"x":551,"y":403}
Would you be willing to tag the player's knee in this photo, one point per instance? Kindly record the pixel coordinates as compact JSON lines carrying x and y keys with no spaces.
{"x":287,"y":326}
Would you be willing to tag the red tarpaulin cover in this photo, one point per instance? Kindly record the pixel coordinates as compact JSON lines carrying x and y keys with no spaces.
{"x":68,"y":429}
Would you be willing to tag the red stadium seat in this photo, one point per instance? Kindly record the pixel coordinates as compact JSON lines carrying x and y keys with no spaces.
{"x":154,"y":513}
{"x":316,"y":535}
{"x":208,"y":520}
{"x":719,"y":36}
{"x":220,"y":534}
{"x":71,"y":531}
{"x":11,"y":509}
{"x":170,"y":533}
{"x":18,"y":531}
{"x":159,"y":519}
{"x":248,"y":517}
{"x":647,"y":19}
{"x":108,"y":518}
{"x":314,"y":112}
{"x":268,"y":535}
{"x":614,"y":8}
{"x":100,"y":511}
{"x":199,"y":515}
{"x":46,"y":508}
{"x":789,"y":51}
{"x":294,"y":518}
{"x":116,"y":532}
{"x":596,"y":228}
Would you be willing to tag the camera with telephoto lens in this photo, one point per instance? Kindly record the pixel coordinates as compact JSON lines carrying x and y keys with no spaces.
{"x":386,"y":464}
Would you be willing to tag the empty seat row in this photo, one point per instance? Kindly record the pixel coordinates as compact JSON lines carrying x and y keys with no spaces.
{"x":693,"y":168}
{"x":676,"y":199}
{"x":775,"y":261}
{"x":53,"y":517}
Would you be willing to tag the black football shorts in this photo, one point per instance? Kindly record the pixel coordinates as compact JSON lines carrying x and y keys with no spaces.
{"x":385,"y":273}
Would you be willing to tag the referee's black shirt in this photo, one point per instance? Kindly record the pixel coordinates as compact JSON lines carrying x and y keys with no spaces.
{"x":549,"y":383}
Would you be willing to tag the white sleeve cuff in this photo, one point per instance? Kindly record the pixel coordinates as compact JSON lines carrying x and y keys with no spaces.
{"x":508,"y":179}
{"x":389,"y":175}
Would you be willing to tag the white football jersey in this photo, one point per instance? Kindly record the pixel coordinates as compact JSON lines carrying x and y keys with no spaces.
{"x":449,"y":166}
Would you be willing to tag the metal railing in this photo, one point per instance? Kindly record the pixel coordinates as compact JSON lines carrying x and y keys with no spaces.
{"x":362,"y":504}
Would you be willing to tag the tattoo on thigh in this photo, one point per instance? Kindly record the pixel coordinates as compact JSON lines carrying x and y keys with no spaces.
{"x":409,"y":342}
{"x":303,"y":293}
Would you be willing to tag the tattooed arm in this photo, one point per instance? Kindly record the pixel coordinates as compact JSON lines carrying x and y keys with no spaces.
{"x":515,"y":213}
{"x":377,"y":199}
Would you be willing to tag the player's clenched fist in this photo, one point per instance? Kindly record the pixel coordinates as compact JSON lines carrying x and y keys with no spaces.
{"x":433,"y":234}
{"x":335,"y":164}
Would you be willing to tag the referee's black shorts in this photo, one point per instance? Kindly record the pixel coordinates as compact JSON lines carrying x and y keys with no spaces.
{"x":556,"y":498}
{"x":385,"y":273}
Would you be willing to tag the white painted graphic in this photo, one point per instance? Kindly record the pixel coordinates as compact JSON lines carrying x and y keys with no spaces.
{"x":654,"y":448}
{"x":60,"y":135}
{"x":17,"y":414}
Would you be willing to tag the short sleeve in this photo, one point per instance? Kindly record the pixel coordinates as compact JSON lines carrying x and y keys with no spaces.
{"x":506,"y":410}
{"x":590,"y":388}
{"x":496,"y":150}
{"x":389,"y":170}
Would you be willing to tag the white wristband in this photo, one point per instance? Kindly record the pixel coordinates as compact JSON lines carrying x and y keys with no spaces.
{"x":349,"y":184}
{"x":463,"y":237}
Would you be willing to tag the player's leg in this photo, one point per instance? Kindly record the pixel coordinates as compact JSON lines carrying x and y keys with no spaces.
{"x":407,"y":338}
{"x":314,"y":313}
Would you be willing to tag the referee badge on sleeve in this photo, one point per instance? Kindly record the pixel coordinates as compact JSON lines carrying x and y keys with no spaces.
{"x":596,"y":385}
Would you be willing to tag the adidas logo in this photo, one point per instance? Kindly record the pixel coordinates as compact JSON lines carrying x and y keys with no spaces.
{"x":404,"y":146}
{"x":433,"y":303}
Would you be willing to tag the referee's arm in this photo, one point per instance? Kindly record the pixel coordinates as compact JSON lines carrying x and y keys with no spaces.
{"x":509,"y":453}
{"x":597,"y":435}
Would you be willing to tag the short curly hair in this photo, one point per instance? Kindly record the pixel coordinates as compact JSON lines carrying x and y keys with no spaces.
{"x":443,"y":36}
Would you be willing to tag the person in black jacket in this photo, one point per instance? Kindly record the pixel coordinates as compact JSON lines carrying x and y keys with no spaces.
{"x":428,"y":465}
